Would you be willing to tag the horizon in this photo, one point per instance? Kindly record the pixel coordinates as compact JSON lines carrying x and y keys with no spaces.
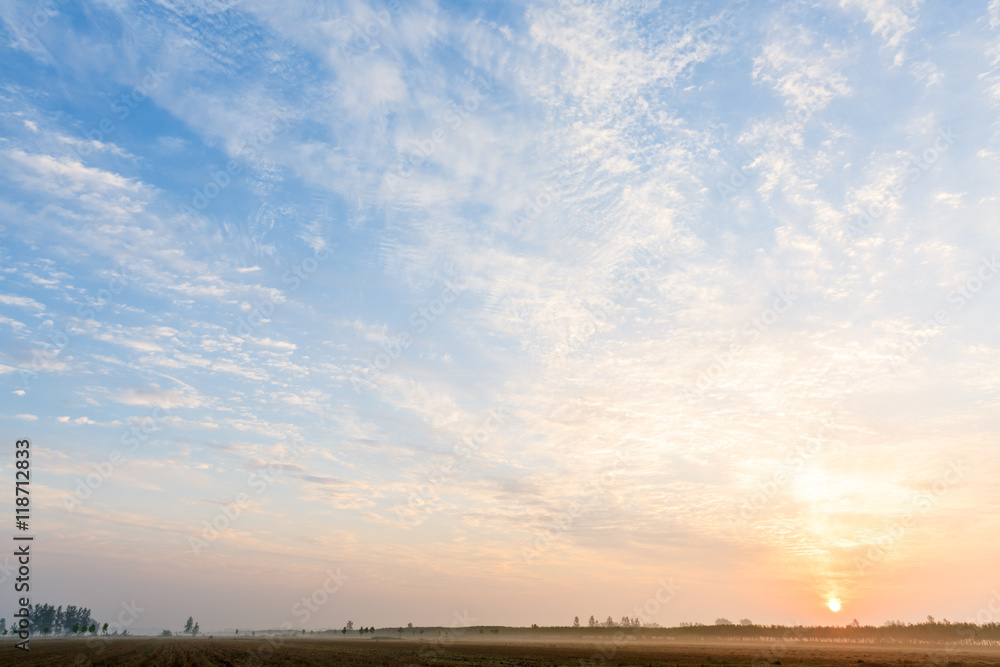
{"x":397,"y":310}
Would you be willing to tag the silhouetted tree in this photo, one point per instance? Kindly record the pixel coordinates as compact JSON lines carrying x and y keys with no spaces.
{"x":189,"y":625}
{"x":576,"y":621}
{"x":592,"y":622}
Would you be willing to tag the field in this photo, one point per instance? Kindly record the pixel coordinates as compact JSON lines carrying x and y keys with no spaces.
{"x":289,"y":652}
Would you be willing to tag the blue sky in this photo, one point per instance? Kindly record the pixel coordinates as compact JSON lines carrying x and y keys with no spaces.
{"x":507,"y":309}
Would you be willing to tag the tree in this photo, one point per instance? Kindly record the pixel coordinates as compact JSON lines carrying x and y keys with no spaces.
{"x":746,"y":621}
{"x":105,"y":628}
{"x":930,"y":619}
{"x":592,"y":622}
{"x":92,"y":629}
{"x":3,"y":626}
{"x":189,"y":625}
{"x":76,"y":628}
{"x":166,"y":633}
{"x":350,"y":625}
{"x":344,"y":630}
{"x":195,"y":630}
{"x":576,"y":621}
{"x":626,"y":622}
{"x":723,"y":621}
{"x":409,"y":625}
{"x":610,"y":623}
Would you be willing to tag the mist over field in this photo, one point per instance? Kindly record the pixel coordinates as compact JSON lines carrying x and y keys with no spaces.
{"x":492,"y":315}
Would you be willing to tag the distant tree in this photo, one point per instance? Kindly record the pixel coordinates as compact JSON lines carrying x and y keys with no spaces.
{"x":723,"y":621}
{"x":189,"y":625}
{"x":746,"y":621}
{"x":930,"y":619}
{"x":3,"y":625}
{"x":576,"y":621}
{"x":105,"y":628}
{"x":409,"y":625}
{"x":856,"y":624}
{"x":592,"y":622}
{"x":195,"y":630}
{"x":350,"y":625}
{"x":344,"y":630}
{"x":76,"y":628}
{"x":626,"y":622}
{"x":610,"y":623}
{"x":400,"y":629}
{"x":93,"y":628}
{"x":166,"y":633}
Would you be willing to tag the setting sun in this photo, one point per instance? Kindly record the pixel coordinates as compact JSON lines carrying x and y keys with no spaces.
{"x":833,"y":604}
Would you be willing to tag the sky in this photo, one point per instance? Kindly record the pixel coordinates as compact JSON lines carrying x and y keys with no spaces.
{"x":503,"y":313}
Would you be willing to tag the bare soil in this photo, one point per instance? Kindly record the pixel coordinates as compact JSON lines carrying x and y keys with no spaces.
{"x":304,"y":651}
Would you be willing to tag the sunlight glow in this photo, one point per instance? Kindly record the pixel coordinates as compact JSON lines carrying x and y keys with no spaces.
{"x":833,"y":604}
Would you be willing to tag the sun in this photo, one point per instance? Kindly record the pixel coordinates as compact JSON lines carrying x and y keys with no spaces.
{"x":833,"y":604}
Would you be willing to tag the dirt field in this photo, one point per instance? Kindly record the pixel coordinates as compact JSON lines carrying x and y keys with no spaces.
{"x":399,"y":653}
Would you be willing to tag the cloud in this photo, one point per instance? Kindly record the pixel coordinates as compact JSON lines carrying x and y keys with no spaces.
{"x":21,"y":302}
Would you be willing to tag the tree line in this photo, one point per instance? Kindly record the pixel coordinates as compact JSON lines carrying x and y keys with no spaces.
{"x":48,"y":619}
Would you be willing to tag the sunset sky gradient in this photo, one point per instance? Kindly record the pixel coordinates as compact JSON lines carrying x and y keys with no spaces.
{"x":510,"y":310}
